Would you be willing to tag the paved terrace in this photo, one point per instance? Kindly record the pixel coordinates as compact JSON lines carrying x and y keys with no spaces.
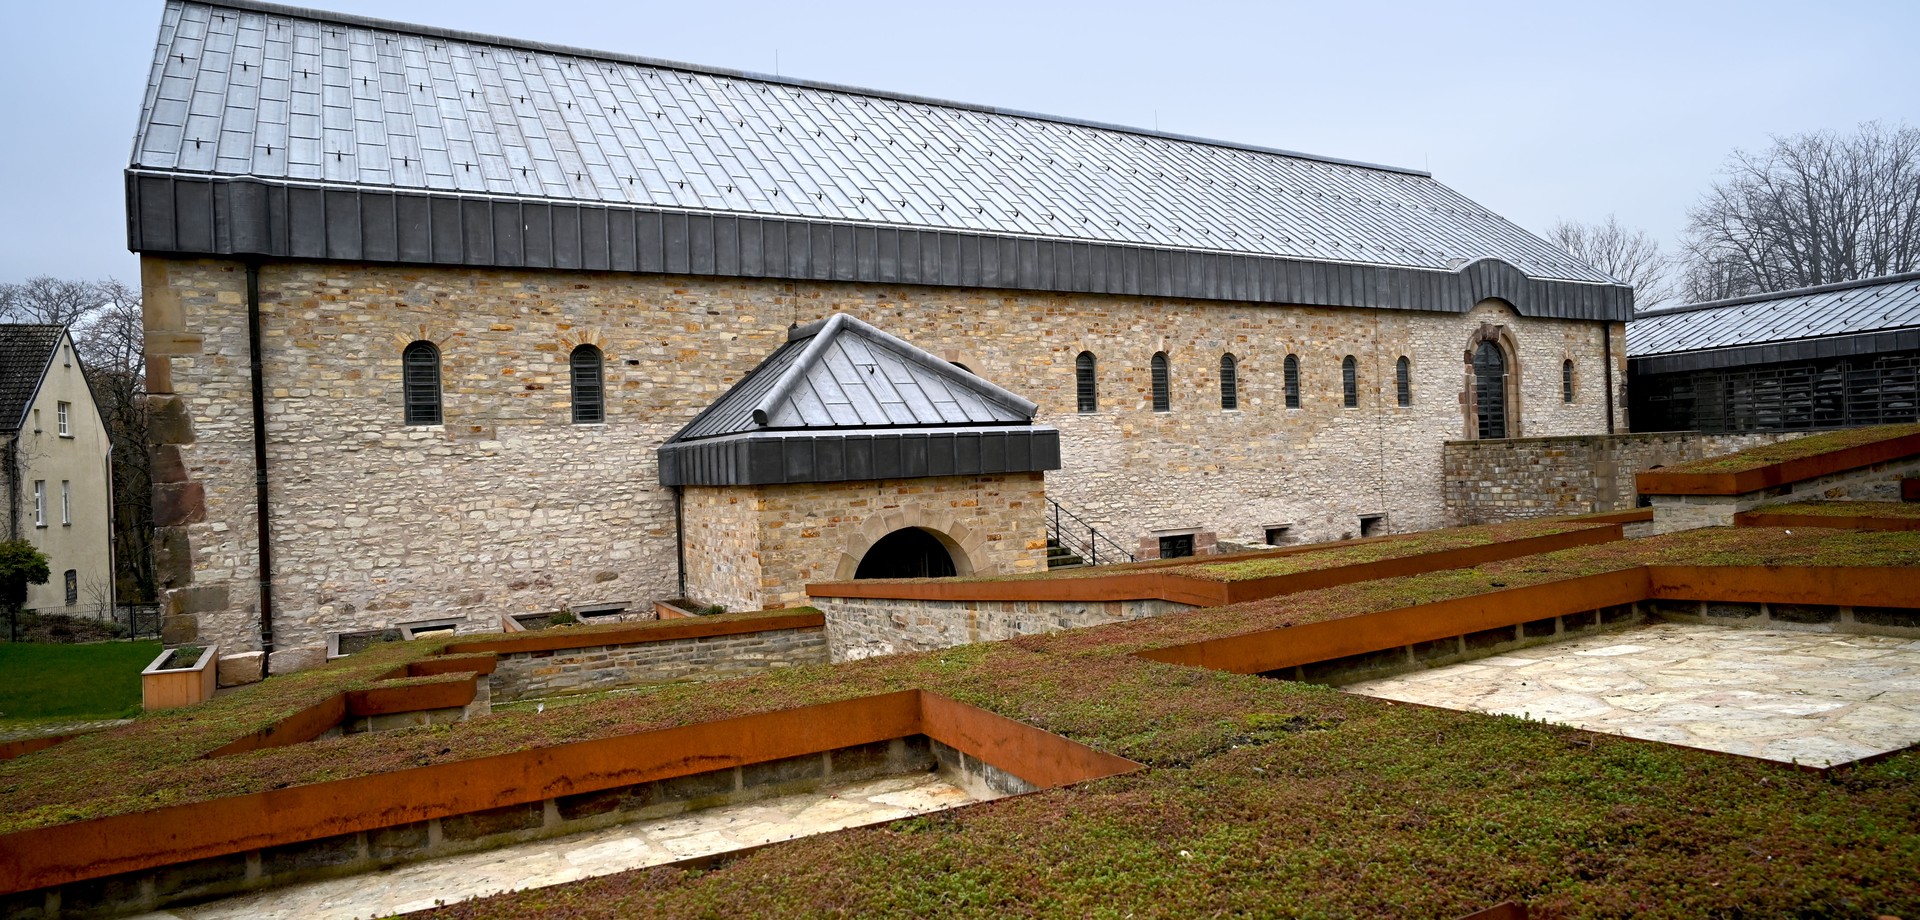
{"x":1811,"y":698}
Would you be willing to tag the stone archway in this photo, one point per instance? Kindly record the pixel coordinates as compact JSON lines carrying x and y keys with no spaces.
{"x":964,"y":544}
{"x":907,"y":553}
{"x":1490,"y":401}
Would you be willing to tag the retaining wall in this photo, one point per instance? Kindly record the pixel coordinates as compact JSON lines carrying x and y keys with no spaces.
{"x":525,"y":674}
{"x":1513,"y":478}
{"x":859,"y":627}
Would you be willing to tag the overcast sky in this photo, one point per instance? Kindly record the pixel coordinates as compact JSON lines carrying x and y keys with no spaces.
{"x":1537,"y":110}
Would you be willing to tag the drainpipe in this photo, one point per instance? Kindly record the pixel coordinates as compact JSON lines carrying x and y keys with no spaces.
{"x":680,"y":538}
{"x":260,"y":509}
{"x":1606,"y":350}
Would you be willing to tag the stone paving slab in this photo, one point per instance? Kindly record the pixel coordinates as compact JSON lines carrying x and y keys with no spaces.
{"x":417,"y":886}
{"x":1813,"y":698}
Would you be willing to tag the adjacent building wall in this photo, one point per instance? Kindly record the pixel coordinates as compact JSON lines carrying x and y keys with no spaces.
{"x":77,"y":534}
{"x":508,"y":508}
{"x":1491,"y":481}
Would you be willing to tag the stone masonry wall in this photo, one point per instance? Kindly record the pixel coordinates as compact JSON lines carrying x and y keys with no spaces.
{"x":508,"y":508}
{"x":523,"y":675}
{"x":869,"y":627}
{"x":722,"y":546}
{"x":1503,"y":480}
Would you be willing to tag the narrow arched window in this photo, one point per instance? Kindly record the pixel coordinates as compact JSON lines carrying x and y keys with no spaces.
{"x":589,"y":386}
{"x":1490,"y":390}
{"x":1083,"y":383}
{"x":1162,"y":389}
{"x":420,"y":379}
{"x":1349,"y":382}
{"x":1566,"y":380}
{"x":1403,"y":382}
{"x":1229,"y":382}
{"x":1291,"y":375}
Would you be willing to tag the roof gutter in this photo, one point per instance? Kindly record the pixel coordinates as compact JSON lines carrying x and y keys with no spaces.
{"x":261,"y":514}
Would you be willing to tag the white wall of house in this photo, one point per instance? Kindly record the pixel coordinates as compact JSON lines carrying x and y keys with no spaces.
{"x":66,"y":491}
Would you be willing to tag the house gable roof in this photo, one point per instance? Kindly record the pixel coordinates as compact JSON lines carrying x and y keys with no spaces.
{"x":26,"y":350}
{"x":280,"y":131}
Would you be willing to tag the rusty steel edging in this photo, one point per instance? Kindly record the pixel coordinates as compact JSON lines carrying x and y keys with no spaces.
{"x":1764,"y":518}
{"x":1660,"y":482}
{"x":1851,"y":586}
{"x":381,"y":701}
{"x":1039,"y":757}
{"x":1458,"y":558}
{"x":549,"y":640}
{"x":299,"y":728}
{"x":1288,"y":646}
{"x":477,"y":662}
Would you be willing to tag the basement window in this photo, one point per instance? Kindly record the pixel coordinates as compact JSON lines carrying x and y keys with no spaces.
{"x":347,"y":643}
{"x":429,"y":628}
{"x":1277,"y":534}
{"x":1175,"y":546}
{"x":1373,"y":525}
{"x":603,"y":609}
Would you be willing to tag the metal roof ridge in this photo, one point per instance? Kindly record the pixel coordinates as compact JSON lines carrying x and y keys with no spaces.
{"x":797,"y":371}
{"x":370,"y":22}
{"x":1780,"y":295}
{"x":940,"y":368}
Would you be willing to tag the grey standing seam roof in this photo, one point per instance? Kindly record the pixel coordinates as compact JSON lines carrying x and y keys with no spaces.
{"x":841,"y":400}
{"x":1846,"y":309}
{"x":25,"y":352}
{"x":287,"y":132}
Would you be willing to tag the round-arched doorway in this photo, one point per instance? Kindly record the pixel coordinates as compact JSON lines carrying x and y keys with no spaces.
{"x":909,"y":552}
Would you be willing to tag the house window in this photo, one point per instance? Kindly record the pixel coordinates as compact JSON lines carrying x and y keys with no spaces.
{"x":1372,"y":525}
{"x":421,"y":380}
{"x":1349,"y":382}
{"x":1403,"y":382}
{"x":1490,"y":390}
{"x":66,"y":501}
{"x":1229,"y":382}
{"x":1083,"y":382}
{"x":1291,"y":375}
{"x":1566,"y":380}
{"x":1176,"y":545}
{"x":40,"y":503}
{"x":1277,"y":534}
{"x":65,"y":413}
{"x":1162,"y":390}
{"x":589,"y":388}
{"x":73,"y":587}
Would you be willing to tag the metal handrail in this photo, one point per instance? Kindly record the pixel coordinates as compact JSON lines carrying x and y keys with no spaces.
{"x":1087,"y":548}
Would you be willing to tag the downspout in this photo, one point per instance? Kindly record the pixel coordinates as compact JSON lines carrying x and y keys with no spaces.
{"x":260,"y":510}
{"x":680,"y":538}
{"x":1606,"y":350}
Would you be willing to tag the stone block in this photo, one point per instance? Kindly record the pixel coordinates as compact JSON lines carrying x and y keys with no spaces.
{"x":1804,"y":613}
{"x":1893,"y":617}
{"x":1726,"y":610}
{"x":477,"y":824}
{"x":177,"y":503}
{"x":244,"y":668}
{"x":397,"y":841}
{"x":784,"y":771}
{"x":307,"y":855}
{"x":607,"y":801}
{"x":115,"y":894}
{"x":1490,"y":638}
{"x":289,"y":660}
{"x":697,"y":786}
{"x":200,"y":876}
{"x":1585,"y":619}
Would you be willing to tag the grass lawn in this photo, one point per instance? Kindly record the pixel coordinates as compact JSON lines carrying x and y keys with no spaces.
{"x":97,"y":680}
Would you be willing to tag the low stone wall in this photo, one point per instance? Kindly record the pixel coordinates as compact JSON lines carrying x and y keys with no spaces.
{"x":1898,"y":622}
{"x":1879,"y":482}
{"x":861,"y":627}
{"x":522,"y":675}
{"x":1508,"y":479}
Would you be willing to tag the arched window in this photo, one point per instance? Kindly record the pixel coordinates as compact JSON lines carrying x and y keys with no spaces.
{"x":420,"y":379}
{"x":589,"y":386}
{"x":1566,"y":380}
{"x":1349,"y":382}
{"x":1490,"y":390}
{"x":1083,"y":383}
{"x":1403,"y":382}
{"x":1162,"y":390}
{"x":1229,"y":382}
{"x":1291,"y":378}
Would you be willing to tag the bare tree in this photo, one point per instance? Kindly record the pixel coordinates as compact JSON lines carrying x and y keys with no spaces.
{"x":1628,"y":255}
{"x":112,"y":342}
{"x":1811,"y":209}
{"x":43,"y":299}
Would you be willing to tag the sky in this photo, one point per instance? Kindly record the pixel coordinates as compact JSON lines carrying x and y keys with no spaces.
{"x":1537,"y":110}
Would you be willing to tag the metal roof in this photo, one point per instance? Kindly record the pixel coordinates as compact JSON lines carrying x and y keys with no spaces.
{"x":26,"y":350}
{"x":842,"y":373}
{"x":303,"y":99}
{"x":1846,"y":309}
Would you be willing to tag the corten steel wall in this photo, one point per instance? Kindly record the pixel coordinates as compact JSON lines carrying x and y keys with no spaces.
{"x":1514,"y":478}
{"x":509,"y":508}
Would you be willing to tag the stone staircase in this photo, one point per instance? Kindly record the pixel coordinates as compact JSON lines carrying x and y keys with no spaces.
{"x":1060,"y":557}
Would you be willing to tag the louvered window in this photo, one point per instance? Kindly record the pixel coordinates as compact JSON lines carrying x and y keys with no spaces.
{"x":1566,"y":380}
{"x":1403,"y":382}
{"x":1349,"y":382}
{"x":589,"y":389}
{"x":421,"y":380}
{"x":1229,"y":382}
{"x":1490,"y":390}
{"x":1291,"y":373}
{"x":1083,"y":382}
{"x":1162,"y":389}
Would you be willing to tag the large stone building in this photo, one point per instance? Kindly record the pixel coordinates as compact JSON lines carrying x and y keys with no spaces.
{"x":385,"y":267}
{"x":55,"y":469}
